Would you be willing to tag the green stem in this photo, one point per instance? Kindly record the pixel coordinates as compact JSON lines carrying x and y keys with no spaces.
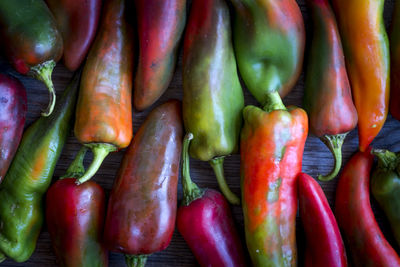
{"x":135,"y":260}
{"x":43,"y":73}
{"x":76,"y":169}
{"x":334,"y":143}
{"x":273,"y":102}
{"x":218,"y":166}
{"x":100,"y":151}
{"x":191,"y":191}
{"x":2,"y":257}
{"x":387,"y":160}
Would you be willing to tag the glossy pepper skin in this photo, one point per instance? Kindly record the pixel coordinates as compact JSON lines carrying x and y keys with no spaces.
{"x":142,"y":207}
{"x":13,"y":105}
{"x":212,"y":96}
{"x":29,"y":176}
{"x":205,"y":221}
{"x":395,"y":63}
{"x":327,"y":94}
{"x":269,"y":39}
{"x":354,"y":215}
{"x":271,"y":149}
{"x":77,"y":21}
{"x":324,"y":244}
{"x":104,"y":110}
{"x":31,"y":41}
{"x":75,"y":218}
{"x":366,"y":51}
{"x":385,"y":187}
{"x":160,"y":28}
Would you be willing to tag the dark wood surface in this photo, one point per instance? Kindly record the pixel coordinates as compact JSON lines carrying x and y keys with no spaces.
{"x":317,"y":159}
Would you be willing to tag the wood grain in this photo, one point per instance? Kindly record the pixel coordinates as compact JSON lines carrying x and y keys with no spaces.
{"x":317,"y":159}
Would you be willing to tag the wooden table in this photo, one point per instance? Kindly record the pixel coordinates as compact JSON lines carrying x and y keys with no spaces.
{"x":317,"y":159}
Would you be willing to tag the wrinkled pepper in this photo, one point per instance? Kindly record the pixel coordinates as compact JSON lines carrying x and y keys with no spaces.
{"x":366,"y":51}
{"x":205,"y":221}
{"x":142,"y":206}
{"x":29,"y":176}
{"x":385,"y":187}
{"x":31,"y":40}
{"x":13,"y":105}
{"x":269,"y":39}
{"x":104,"y":110}
{"x":324,"y":244}
{"x":212,"y":95}
{"x":75,"y":218}
{"x":271,"y":149}
{"x":77,"y":21}
{"x":354,"y":215}
{"x":327,"y":94}
{"x":160,"y":28}
{"x":395,"y":63}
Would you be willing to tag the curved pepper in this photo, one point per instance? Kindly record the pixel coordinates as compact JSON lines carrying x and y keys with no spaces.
{"x":212,"y":95}
{"x":142,"y":207}
{"x":354,"y":215}
{"x":366,"y":50}
{"x":271,"y":149}
{"x":77,"y":21}
{"x":385,"y":186}
{"x":269,"y":39}
{"x":29,"y":176}
{"x":104,"y":110}
{"x":324,"y":244}
{"x":327,"y":95}
{"x":12,"y":119}
{"x":160,"y":28}
{"x":75,"y":218}
{"x":31,"y":41}
{"x":205,"y":221}
{"x":395,"y":63}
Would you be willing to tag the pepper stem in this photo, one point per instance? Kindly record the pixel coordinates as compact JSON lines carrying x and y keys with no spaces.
{"x":273,"y":102}
{"x":76,"y":169}
{"x":135,"y":260}
{"x":191,"y":191}
{"x":334,"y":143}
{"x":100,"y":151}
{"x":218,"y":166}
{"x":2,"y":257}
{"x":387,"y":160}
{"x":43,"y":72}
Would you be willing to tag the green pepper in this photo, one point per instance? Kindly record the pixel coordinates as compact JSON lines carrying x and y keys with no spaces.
{"x":385,"y":187}
{"x":29,"y":176}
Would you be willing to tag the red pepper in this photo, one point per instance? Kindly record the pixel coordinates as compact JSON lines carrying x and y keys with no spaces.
{"x":142,"y":207}
{"x":354,"y":215}
{"x":12,"y":119}
{"x":77,"y":21}
{"x":324,"y":244}
{"x":75,"y":219}
{"x":205,"y":222}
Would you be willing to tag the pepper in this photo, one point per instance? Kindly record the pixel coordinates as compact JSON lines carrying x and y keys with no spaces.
{"x":31,"y":41}
{"x":324,"y":244}
{"x":385,"y":187}
{"x":271,"y":149}
{"x":205,"y":221}
{"x":160,"y":28}
{"x":269,"y":39}
{"x":75,"y":218}
{"x":212,"y":96}
{"x":13,"y":105}
{"x":366,"y":51}
{"x":142,"y":206}
{"x":395,"y":63}
{"x":29,"y":176}
{"x":104,"y":110}
{"x":77,"y":21}
{"x":354,"y":215}
{"x":327,"y":94}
